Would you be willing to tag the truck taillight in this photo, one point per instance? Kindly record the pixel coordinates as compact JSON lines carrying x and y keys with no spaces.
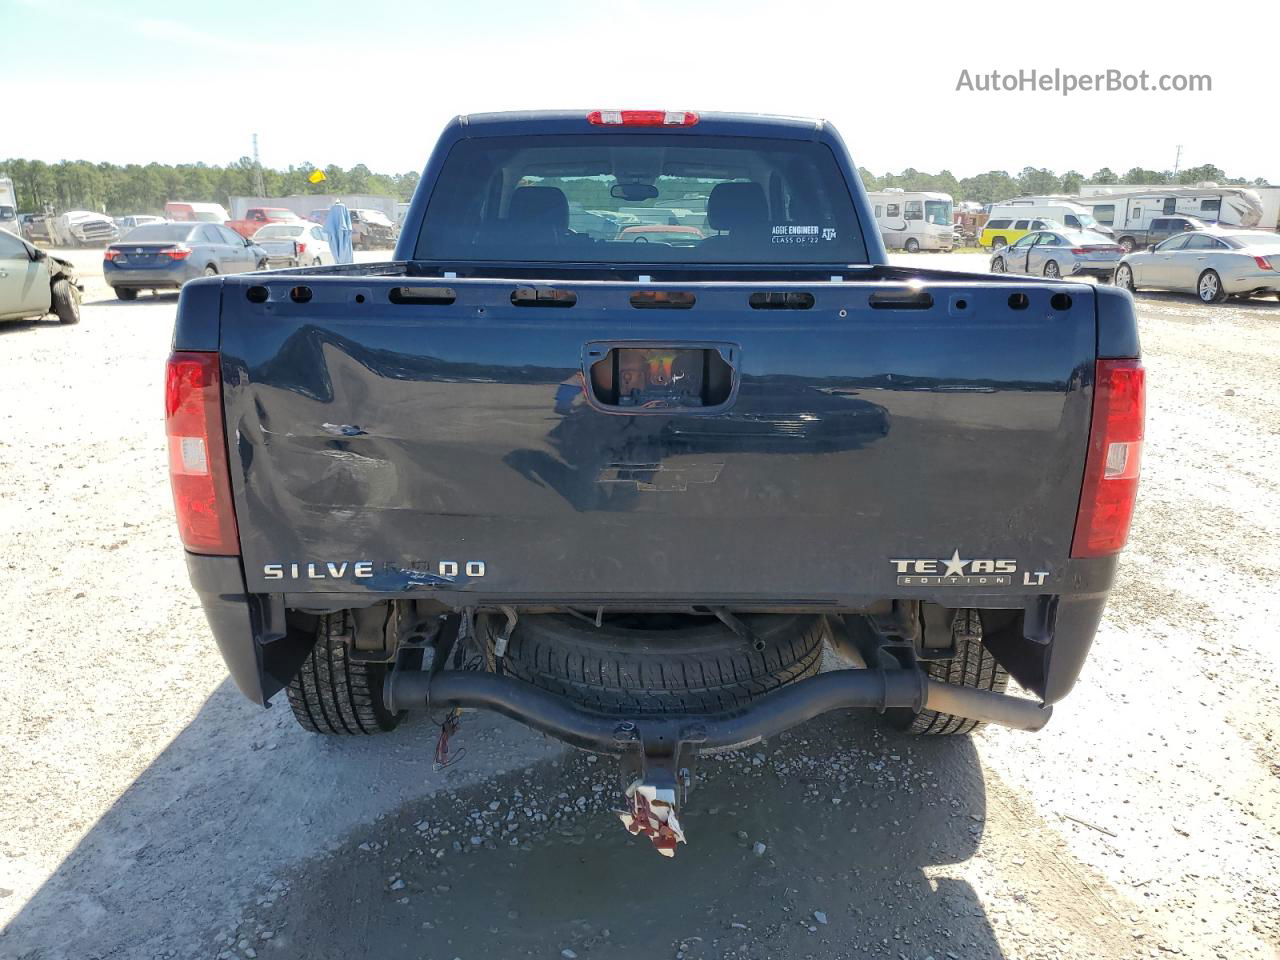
{"x":642,"y":118}
{"x":1114,"y":459}
{"x":198,"y":454}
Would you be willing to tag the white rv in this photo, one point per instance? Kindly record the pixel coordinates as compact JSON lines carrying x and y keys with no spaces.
{"x":1129,"y":213}
{"x":913,"y":220}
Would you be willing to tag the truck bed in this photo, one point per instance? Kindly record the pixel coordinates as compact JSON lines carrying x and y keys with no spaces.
{"x":393,"y":432}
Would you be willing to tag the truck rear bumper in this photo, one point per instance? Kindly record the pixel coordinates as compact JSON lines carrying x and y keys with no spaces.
{"x":249,"y":628}
{"x":1044,"y":650}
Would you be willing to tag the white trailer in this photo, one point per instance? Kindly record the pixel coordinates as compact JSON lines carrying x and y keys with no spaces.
{"x":1125,"y":208}
{"x":913,"y":220}
{"x":9,"y":207}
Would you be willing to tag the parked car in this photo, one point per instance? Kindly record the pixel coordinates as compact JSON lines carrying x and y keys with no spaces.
{"x":164,"y":256}
{"x":1052,"y":253}
{"x":308,"y":242}
{"x":125,"y":224}
{"x":1002,"y":231}
{"x":1212,"y":264}
{"x":33,"y":282}
{"x":639,"y":493}
{"x":183,"y":211}
{"x":371,"y":229}
{"x":83,"y":228}
{"x":255,"y":218}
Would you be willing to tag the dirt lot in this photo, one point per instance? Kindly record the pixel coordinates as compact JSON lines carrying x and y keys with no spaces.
{"x":146,"y":810}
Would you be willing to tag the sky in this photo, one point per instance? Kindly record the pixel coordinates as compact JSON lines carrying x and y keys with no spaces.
{"x":373,"y":82}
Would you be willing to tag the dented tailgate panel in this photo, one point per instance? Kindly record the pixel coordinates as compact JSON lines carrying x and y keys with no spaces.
{"x":459,"y":447}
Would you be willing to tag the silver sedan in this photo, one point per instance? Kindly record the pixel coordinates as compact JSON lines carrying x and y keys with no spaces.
{"x":1213,"y":265}
{"x":1066,"y":253}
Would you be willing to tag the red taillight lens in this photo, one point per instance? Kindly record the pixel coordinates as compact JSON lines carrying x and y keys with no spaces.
{"x":177,"y":252}
{"x":1262,"y":262}
{"x":110,"y":254}
{"x":642,"y":118}
{"x":1115,"y":455}
{"x":1079,"y":251}
{"x":302,"y":248}
{"x":198,"y":454}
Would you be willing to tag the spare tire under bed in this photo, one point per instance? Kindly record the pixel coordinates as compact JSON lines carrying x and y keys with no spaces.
{"x":656,"y":663}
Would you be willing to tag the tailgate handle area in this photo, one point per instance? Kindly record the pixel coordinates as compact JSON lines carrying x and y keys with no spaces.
{"x":638,"y":378}
{"x":907,"y":299}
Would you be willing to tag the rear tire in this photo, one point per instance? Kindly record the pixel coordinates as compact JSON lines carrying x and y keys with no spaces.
{"x":913,"y":245}
{"x":123,"y":293}
{"x":621,"y":668}
{"x":1209,"y":287}
{"x":65,"y":301}
{"x":332,"y":694}
{"x":1051,"y":270}
{"x":999,"y":243}
{"x":972,"y":667}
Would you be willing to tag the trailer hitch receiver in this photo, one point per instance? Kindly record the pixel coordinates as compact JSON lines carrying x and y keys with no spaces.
{"x":656,"y":774}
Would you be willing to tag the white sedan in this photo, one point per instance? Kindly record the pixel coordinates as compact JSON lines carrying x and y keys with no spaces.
{"x":1212,"y":264}
{"x":312,"y":242}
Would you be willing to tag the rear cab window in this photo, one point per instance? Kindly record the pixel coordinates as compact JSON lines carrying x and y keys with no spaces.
{"x":597,"y":198}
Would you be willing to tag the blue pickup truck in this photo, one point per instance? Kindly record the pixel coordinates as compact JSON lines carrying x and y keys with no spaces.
{"x":627,"y":485}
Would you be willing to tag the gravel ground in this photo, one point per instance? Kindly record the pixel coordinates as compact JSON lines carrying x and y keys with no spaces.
{"x":146,"y":810}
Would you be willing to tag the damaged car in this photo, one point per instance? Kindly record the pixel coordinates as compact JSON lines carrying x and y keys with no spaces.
{"x":35,"y":283}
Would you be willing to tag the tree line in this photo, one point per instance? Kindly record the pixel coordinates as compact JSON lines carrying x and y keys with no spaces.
{"x":998,"y":185}
{"x":137,"y":188}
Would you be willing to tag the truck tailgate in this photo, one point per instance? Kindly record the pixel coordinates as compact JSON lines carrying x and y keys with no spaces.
{"x":389,"y":446}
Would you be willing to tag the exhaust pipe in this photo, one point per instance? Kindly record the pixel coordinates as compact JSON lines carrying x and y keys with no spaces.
{"x":986,"y":705}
